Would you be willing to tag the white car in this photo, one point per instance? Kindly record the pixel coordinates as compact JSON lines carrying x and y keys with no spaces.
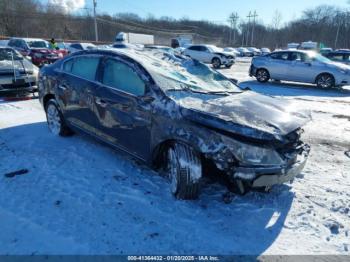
{"x":245,"y":52}
{"x":265,"y":51}
{"x":232,"y":50}
{"x":210,"y":54}
{"x":75,"y":47}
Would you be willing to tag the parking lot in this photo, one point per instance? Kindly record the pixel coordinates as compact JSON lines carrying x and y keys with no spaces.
{"x":81,"y":197}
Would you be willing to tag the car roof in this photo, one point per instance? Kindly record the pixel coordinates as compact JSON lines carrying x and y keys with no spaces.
{"x":28,"y":39}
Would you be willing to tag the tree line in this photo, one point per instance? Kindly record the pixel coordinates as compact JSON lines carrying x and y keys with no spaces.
{"x":30,"y":18}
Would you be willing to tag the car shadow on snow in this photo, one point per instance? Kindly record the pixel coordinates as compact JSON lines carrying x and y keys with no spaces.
{"x":289,"y":89}
{"x":126,"y":200}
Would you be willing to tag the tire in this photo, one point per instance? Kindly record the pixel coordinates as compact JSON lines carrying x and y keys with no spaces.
{"x":55,"y":119}
{"x":228,"y":66}
{"x":216,"y":62}
{"x":262,"y":75}
{"x":184,"y":170}
{"x":325,"y":81}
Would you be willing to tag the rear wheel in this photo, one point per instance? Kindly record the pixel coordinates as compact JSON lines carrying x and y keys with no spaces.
{"x":262,"y":75}
{"x":185,"y":171}
{"x":216,"y":62}
{"x":325,"y":81}
{"x":55,"y":119}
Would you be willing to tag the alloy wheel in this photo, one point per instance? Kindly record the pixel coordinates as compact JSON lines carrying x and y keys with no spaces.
{"x":53,"y":119}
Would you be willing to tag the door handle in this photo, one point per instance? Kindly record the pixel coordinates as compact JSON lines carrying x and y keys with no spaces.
{"x":100,"y":102}
{"x":62,"y":87}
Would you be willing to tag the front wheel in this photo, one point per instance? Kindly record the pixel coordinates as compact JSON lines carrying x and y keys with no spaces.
{"x":185,"y":171}
{"x":228,"y":66}
{"x":262,"y":75}
{"x":216,"y":62}
{"x":325,"y":81}
{"x":55,"y":119}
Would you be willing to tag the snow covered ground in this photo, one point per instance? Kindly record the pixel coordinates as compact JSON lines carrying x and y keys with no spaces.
{"x":81,"y":197}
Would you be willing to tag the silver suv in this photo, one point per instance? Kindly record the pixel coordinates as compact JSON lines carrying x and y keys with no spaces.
{"x":300,"y":66}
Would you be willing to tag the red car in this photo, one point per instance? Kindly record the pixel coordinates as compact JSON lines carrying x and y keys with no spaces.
{"x":37,"y":49}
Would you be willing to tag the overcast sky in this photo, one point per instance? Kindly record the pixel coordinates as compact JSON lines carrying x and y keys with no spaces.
{"x":212,"y":10}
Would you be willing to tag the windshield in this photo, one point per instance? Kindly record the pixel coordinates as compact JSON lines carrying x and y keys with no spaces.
{"x":213,"y":48}
{"x":7,"y":54}
{"x":37,"y":44}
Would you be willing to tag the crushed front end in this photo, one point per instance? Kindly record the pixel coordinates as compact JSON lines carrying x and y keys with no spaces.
{"x":261,"y":165}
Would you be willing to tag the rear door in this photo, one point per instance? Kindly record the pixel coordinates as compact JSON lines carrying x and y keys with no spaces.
{"x":278,"y":65}
{"x":123,"y":113}
{"x":76,"y":86}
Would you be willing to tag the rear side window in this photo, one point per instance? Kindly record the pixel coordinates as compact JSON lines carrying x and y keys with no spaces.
{"x":84,"y":67}
{"x":122,"y":77}
{"x":280,"y":56}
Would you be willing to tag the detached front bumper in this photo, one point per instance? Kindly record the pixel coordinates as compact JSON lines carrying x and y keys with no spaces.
{"x":22,"y":83}
{"x":269,"y":176}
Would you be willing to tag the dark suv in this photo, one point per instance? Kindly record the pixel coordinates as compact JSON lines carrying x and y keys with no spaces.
{"x":177,"y":115}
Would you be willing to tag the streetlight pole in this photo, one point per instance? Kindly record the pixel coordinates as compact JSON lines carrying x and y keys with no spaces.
{"x":249,"y":16}
{"x":95,"y":21}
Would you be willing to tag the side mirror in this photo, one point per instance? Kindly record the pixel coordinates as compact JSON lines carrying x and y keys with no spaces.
{"x":147,"y":98}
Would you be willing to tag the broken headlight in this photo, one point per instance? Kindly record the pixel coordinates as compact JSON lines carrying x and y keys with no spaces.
{"x":248,"y":154}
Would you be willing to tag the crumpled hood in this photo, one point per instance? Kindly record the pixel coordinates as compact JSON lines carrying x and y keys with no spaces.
{"x":7,"y":66}
{"x":246,"y":114}
{"x":224,"y":53}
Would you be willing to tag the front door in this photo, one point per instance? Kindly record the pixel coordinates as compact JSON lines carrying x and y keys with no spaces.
{"x":123,"y":113}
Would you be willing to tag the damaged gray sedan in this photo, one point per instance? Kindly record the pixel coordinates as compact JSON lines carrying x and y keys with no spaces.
{"x":177,"y":115}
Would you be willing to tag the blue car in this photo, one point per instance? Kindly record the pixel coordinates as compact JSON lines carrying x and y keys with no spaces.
{"x":177,"y":115}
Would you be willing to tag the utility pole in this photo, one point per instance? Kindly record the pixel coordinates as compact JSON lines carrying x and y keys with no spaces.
{"x":249,"y":17}
{"x":233,"y":19}
{"x":95,"y":21}
{"x":255,"y":15}
{"x":338,"y":29}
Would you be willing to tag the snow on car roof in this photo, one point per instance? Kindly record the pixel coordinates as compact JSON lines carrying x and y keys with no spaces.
{"x":29,"y":39}
{"x":174,"y":72}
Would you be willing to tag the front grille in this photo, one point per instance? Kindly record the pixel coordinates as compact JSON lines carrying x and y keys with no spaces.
{"x":18,"y":73}
{"x":11,"y":86}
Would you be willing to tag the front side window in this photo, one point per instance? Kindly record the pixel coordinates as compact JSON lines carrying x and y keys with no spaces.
{"x":195,"y":48}
{"x":295,"y":56}
{"x":122,"y":77}
{"x":84,"y":67}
